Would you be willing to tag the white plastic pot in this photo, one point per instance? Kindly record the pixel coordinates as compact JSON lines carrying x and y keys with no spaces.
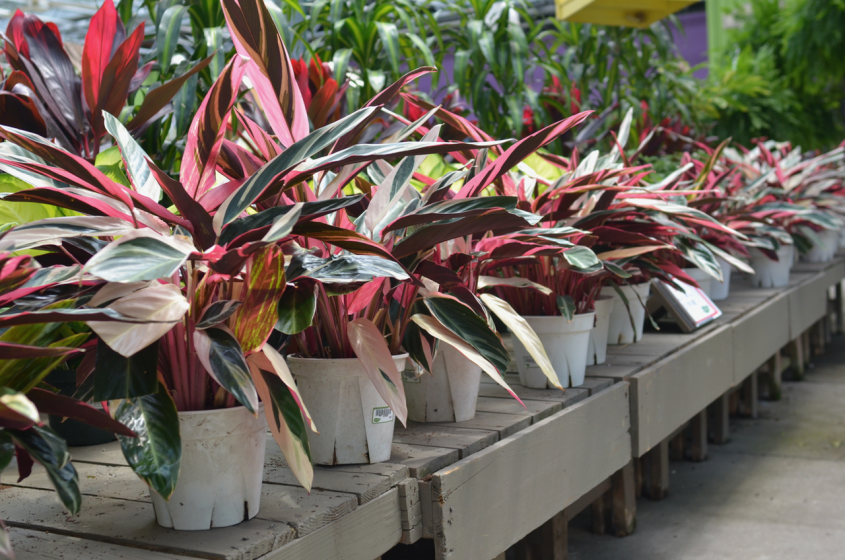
{"x":705,"y":281}
{"x":222,"y":468}
{"x":566,"y":346}
{"x":720,"y":290}
{"x":449,"y":394}
{"x":769,"y":273}
{"x":597,"y":347}
{"x":825,"y":252}
{"x":620,"y":330}
{"x":356,"y":425}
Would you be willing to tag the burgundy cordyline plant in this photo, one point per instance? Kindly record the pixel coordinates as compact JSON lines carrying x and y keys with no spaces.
{"x":44,"y":95}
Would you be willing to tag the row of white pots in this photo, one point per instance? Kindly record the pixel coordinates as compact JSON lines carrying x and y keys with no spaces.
{"x":223,"y":450}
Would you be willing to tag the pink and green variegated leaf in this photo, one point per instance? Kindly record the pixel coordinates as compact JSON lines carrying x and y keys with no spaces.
{"x":518,"y":152}
{"x":373,"y":353}
{"x":93,"y":178}
{"x":277,"y":364}
{"x":284,"y":418}
{"x":436,"y":329}
{"x":223,"y":359}
{"x":268,"y":67}
{"x":205,"y":136}
{"x":263,"y":287}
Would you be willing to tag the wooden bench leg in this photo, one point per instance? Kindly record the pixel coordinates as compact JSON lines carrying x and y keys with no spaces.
{"x":795,"y":349}
{"x":840,"y":324}
{"x":656,"y":471}
{"x":748,"y":397}
{"x":676,"y":446}
{"x":548,"y":542}
{"x":719,"y":421}
{"x":600,"y":513}
{"x":699,"y":436}
{"x":624,"y":504}
{"x":817,"y":337}
{"x":773,"y":378}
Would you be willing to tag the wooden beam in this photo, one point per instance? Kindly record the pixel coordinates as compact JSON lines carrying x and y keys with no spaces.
{"x":718,"y":420}
{"x":749,"y":395}
{"x":656,"y":471}
{"x":773,"y":377}
{"x":557,"y":460}
{"x":795,"y":349}
{"x":624,"y":504}
{"x":698,"y":427}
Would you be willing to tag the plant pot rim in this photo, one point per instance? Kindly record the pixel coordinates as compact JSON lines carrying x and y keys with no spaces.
{"x":557,"y":316}
{"x":301,"y":359}
{"x":227,"y":409}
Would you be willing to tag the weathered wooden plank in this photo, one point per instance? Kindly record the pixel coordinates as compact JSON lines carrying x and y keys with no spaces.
{"x":758,"y":334}
{"x":567,"y":398}
{"x":464,"y":440}
{"x":536,"y":409}
{"x":367,"y":533}
{"x":615,"y":372}
{"x":129,"y":523}
{"x":808,"y":300}
{"x":41,"y":545}
{"x":535,"y":473}
{"x":422,"y":460}
{"x":105,"y":454}
{"x":503,"y":424}
{"x":290,"y":504}
{"x":667,"y":394}
{"x":364,"y":486}
{"x":587,"y":499}
{"x":596,"y":384}
{"x":367,"y":482}
{"x":411,"y":510}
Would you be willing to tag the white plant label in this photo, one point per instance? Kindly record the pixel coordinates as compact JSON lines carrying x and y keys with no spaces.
{"x":696,"y":303}
{"x":382,"y":415}
{"x":529,"y":362}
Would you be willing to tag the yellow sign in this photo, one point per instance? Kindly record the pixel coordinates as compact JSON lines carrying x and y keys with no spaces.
{"x":625,"y":13}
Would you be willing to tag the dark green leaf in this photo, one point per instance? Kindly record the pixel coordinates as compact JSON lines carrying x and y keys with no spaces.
{"x":168,"y":34}
{"x":116,"y":377}
{"x":267,"y":217}
{"x":223,"y":357}
{"x":296,"y":308}
{"x":156,"y":454}
{"x":282,"y":402}
{"x":566,"y":305}
{"x":217,"y":312}
{"x":346,"y":269}
{"x":467,"y":325}
{"x":48,"y":449}
{"x":7,"y":449}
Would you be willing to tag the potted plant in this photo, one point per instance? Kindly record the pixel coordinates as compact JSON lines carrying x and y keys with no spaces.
{"x":38,"y":303}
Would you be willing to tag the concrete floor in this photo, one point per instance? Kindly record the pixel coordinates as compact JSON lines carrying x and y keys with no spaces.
{"x":775,"y":491}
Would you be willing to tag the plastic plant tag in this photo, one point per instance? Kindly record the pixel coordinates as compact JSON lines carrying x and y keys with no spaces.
{"x":690,"y":306}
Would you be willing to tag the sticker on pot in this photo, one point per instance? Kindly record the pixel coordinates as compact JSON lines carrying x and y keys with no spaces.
{"x":382,"y":415}
{"x":529,"y":362}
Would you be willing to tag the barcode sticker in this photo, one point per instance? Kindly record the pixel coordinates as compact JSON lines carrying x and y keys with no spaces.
{"x":529,"y":362}
{"x":382,"y":414}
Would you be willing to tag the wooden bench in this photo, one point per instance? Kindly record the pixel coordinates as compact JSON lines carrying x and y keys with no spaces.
{"x":511,"y":476}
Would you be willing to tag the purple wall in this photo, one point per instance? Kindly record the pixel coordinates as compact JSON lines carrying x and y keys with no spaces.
{"x":692,"y":43}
